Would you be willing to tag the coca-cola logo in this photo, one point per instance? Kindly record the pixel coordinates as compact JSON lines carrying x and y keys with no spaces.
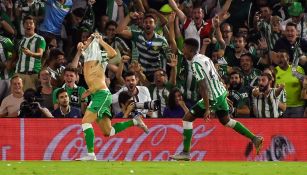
{"x":159,"y":144}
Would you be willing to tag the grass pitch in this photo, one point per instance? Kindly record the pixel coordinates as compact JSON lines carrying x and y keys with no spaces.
{"x":151,"y":168}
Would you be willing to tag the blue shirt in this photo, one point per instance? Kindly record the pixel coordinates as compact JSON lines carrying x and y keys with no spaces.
{"x":54,"y":16}
{"x":73,"y":113}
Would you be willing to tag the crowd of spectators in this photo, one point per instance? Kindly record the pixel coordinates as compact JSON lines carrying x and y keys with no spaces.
{"x":258,"y":47}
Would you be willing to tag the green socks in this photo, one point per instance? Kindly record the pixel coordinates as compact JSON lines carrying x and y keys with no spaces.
{"x":89,"y":136}
{"x":240,"y":128}
{"x":187,"y":135}
{"x":118,"y":127}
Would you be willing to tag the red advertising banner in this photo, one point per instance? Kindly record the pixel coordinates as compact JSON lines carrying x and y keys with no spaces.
{"x":62,"y":139}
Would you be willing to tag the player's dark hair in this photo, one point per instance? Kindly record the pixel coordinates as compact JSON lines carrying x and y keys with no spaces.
{"x":192,"y":43}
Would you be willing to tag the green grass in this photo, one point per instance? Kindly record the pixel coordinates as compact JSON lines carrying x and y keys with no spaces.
{"x":151,"y":168}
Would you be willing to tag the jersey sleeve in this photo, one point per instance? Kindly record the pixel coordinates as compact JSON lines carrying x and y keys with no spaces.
{"x":42,"y":43}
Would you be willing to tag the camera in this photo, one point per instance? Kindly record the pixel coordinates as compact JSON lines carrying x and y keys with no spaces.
{"x":150,"y":105}
{"x":30,"y":106}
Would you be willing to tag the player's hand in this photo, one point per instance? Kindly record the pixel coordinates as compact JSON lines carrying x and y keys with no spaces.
{"x":207,"y":115}
{"x":85,"y":94}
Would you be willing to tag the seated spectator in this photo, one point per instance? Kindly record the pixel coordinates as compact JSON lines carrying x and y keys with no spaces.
{"x":75,"y":92}
{"x":266,"y":98}
{"x":65,"y":110}
{"x":176,"y":106}
{"x":45,"y":89}
{"x":31,"y":108}
{"x":11,"y":104}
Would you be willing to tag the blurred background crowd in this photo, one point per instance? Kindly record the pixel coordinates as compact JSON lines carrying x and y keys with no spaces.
{"x":258,"y":47}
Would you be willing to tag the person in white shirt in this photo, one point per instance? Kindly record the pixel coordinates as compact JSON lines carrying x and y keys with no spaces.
{"x":139,"y":93}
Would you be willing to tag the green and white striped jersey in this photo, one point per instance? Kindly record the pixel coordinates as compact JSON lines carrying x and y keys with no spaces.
{"x":186,"y":82}
{"x":203,"y":69}
{"x":26,"y":63}
{"x":6,"y":50}
{"x":267,"y":106}
{"x":152,"y":53}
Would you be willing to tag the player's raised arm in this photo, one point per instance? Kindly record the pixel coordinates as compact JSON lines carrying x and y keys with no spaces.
{"x":110,"y":51}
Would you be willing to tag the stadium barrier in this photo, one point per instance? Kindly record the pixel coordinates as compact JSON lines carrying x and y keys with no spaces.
{"x":62,"y":139}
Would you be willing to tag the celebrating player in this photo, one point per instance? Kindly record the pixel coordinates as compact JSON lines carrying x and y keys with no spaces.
{"x":213,"y":98}
{"x":99,"y":108}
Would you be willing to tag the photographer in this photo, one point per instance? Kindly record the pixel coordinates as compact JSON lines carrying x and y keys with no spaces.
{"x":139,"y":93}
{"x":129,"y":106}
{"x":31,"y":107}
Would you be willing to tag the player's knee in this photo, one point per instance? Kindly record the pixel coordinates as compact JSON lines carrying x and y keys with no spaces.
{"x":223,"y":117}
{"x":108,"y":132}
{"x":188,"y":117}
{"x":231,"y":123}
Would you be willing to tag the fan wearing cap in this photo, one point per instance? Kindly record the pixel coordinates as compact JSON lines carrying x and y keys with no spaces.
{"x":297,"y":16}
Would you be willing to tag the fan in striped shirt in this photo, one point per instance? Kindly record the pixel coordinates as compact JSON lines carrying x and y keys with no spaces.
{"x":266,"y":98}
{"x":30,"y":51}
{"x":153,"y":49}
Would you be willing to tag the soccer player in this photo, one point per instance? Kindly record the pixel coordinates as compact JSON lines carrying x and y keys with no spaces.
{"x":213,"y":98}
{"x":99,"y":108}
